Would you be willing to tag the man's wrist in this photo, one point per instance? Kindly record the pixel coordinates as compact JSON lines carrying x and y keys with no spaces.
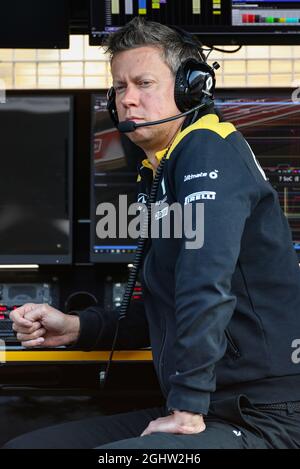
{"x":73,"y":328}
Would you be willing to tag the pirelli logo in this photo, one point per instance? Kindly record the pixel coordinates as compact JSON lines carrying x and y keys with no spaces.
{"x":203,"y":195}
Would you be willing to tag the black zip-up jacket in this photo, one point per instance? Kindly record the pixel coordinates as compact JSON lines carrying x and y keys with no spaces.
{"x":223,"y":318}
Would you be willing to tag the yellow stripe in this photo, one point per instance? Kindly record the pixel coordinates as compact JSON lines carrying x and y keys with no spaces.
{"x":142,"y":11}
{"x":208,"y":122}
{"x":76,"y":356}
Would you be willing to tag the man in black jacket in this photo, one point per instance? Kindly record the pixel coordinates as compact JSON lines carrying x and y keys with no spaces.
{"x":222,"y":311}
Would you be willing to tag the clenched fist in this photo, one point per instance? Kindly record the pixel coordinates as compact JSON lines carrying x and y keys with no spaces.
{"x":42,"y":325}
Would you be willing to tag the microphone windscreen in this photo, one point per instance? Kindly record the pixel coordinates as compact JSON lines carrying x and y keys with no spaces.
{"x":126,"y":126}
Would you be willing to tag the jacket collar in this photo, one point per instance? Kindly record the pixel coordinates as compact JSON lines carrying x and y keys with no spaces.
{"x":208,"y":121}
{"x":146,"y":163}
{"x":159,"y":155}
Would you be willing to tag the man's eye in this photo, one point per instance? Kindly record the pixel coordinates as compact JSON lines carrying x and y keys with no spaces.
{"x":145,"y":83}
{"x":120,"y":88}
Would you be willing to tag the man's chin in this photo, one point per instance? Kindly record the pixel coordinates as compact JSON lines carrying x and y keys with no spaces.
{"x":137,"y":137}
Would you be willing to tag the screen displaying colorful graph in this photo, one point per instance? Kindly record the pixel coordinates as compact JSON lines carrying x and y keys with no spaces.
{"x":214,"y":21}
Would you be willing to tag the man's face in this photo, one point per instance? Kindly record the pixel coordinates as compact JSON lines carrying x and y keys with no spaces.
{"x":144,"y":87}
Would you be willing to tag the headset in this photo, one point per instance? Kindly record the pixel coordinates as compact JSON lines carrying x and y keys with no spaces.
{"x":194,"y":88}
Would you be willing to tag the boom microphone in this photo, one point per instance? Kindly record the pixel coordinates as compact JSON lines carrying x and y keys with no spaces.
{"x":130,"y":126}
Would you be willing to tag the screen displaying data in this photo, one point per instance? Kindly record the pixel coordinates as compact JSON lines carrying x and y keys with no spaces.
{"x":271,"y":125}
{"x":215,"y":21}
{"x":114,"y":173}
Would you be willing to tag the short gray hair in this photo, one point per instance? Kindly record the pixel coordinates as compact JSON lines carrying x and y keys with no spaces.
{"x":175,"y":47}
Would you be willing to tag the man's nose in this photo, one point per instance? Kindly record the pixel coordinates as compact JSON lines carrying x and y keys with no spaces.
{"x":130,"y":96}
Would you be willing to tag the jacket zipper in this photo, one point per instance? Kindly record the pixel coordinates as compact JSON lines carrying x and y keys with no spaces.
{"x":160,"y":360}
{"x":145,"y":267}
{"x":235,"y":352}
{"x":161,"y":353}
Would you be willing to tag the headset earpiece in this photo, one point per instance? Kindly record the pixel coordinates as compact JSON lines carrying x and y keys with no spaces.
{"x":111,"y":105}
{"x":194,"y":83}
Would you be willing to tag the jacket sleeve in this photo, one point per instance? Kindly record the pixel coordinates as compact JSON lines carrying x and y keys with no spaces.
{"x":97,"y":328}
{"x":206,"y":169}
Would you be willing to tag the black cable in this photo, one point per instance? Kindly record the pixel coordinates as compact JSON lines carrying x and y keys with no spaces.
{"x":226,"y":51}
{"x":146,"y":223}
{"x":209,"y":52}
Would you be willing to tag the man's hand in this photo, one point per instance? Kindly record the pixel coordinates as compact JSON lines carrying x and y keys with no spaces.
{"x":185,"y":423}
{"x":40,"y":324}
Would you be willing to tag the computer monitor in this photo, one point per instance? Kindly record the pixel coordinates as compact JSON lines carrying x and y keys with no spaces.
{"x":36,"y":147}
{"x":268,"y":119}
{"x":34,"y":24}
{"x":114,"y":162}
{"x":270,"y":122}
{"x":215,"y":22}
